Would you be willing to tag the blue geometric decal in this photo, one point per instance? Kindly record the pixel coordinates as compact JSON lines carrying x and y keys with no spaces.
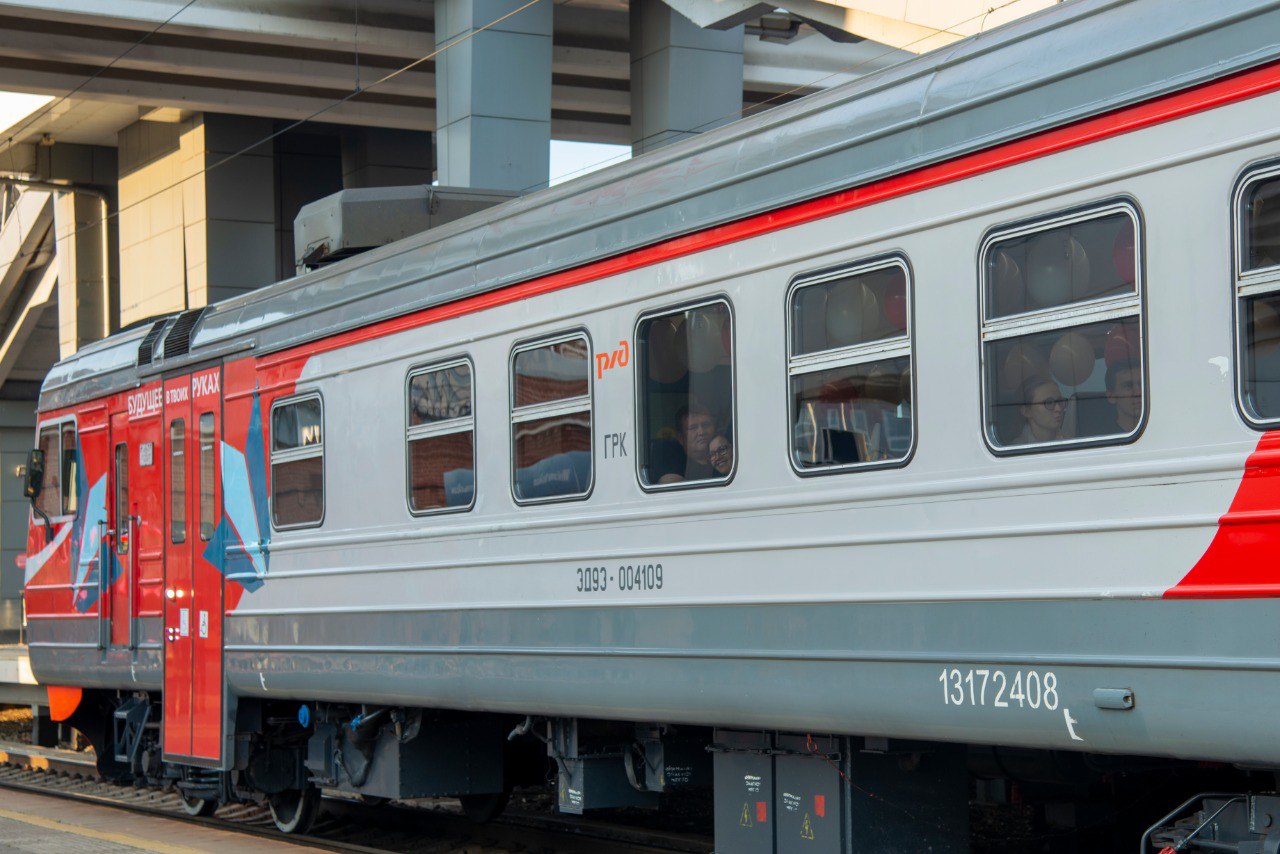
{"x":239,"y":547}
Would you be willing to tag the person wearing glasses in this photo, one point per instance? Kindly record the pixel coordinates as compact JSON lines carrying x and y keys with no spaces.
{"x":1044,"y":411}
{"x":720,"y":454}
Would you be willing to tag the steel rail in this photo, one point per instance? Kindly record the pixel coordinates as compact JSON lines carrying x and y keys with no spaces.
{"x":62,"y":774}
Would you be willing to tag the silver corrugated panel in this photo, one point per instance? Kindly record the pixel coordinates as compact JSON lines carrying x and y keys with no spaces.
{"x":1067,"y":63}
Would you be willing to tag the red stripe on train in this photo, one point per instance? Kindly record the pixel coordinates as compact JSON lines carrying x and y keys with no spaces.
{"x":1237,"y":561}
{"x":1241,"y":559}
{"x":1207,"y":96}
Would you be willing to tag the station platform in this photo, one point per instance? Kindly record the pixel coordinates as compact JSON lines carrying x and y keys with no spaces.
{"x":35,"y":823}
{"x":17,"y":686}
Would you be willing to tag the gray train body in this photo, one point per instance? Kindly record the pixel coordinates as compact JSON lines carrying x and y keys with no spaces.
{"x":916,"y":600}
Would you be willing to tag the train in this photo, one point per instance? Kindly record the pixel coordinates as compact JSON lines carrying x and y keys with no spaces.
{"x":918,"y":431}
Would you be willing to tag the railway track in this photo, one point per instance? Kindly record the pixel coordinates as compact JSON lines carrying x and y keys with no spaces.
{"x":431,"y":827}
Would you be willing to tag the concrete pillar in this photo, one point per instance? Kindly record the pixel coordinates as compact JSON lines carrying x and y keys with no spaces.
{"x":17,"y":436}
{"x":684,"y":79}
{"x":385,"y":157}
{"x":84,"y":299}
{"x":194,"y":230}
{"x":88,"y":288}
{"x":493,"y":95}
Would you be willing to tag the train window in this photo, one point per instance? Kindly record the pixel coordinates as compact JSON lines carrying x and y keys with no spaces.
{"x":297,"y":463}
{"x":178,"y":481}
{"x":50,"y":500}
{"x":70,"y":485}
{"x":551,"y":419}
{"x":122,"y":499}
{"x":208,"y":472}
{"x":1062,"y":332}
{"x":1257,"y":285}
{"x":441,"y":439}
{"x":685,"y":377}
{"x":850,"y":368}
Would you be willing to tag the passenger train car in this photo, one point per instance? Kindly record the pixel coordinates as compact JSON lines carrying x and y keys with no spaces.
{"x":918,"y":428}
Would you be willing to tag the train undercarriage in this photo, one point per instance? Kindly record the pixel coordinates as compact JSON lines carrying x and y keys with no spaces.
{"x":758,"y":791}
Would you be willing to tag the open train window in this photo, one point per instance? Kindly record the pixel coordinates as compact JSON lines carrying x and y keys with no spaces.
{"x":684,"y":375}
{"x":1257,"y":293}
{"x":440,"y":438}
{"x":551,"y":419}
{"x":1062,"y":346}
{"x":297,"y":462}
{"x":849,"y":368}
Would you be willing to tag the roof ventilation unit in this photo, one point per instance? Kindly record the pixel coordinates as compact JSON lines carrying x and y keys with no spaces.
{"x":353,"y":221}
{"x":177,"y":342}
{"x":146,"y":350}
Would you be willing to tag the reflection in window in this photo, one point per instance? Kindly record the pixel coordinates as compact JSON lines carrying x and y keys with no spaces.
{"x":297,"y":463}
{"x":1260,"y":216}
{"x":1258,"y":297}
{"x":1062,"y":333}
{"x":122,"y":499}
{"x":850,"y":369}
{"x":441,"y":439}
{"x":50,"y":499}
{"x":208,"y":473}
{"x":70,"y":486}
{"x":551,"y":419}
{"x":178,"y":480}
{"x":685,"y":373}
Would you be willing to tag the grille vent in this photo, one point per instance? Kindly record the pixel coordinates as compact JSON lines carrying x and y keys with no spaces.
{"x":178,"y":341}
{"x":146,"y":350}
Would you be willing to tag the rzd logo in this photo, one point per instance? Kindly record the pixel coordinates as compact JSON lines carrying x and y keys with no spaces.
{"x":617,"y":359}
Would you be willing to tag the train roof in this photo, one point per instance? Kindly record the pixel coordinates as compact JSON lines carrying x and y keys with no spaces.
{"x":1066,"y":63}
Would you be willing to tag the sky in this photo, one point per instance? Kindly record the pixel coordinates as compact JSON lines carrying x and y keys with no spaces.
{"x":15,"y":106}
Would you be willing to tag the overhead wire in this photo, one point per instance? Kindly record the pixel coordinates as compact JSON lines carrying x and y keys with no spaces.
{"x":280,"y":131}
{"x":356,"y":92}
{"x":36,"y":115}
{"x":759,"y":105}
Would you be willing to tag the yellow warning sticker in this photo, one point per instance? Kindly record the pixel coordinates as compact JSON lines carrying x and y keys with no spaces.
{"x":746,"y":821}
{"x":806,"y":829}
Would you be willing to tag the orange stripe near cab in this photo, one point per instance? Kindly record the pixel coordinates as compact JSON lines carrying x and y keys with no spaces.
{"x":63,"y":702}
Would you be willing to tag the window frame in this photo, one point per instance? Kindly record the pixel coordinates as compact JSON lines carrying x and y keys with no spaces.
{"x":186,"y":498}
{"x":1070,"y":316}
{"x":294,"y":454}
{"x":446,"y":428}
{"x":120,"y":471}
{"x":58,"y":425}
{"x":843,"y":357}
{"x":1248,"y":284}
{"x":638,"y":396}
{"x":562,"y":406}
{"x":199,"y":475}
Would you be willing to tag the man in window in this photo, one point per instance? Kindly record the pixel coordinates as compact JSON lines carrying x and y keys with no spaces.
{"x":695,"y":428}
{"x":1124,"y":392}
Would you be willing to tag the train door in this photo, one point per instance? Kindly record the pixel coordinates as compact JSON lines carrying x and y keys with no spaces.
{"x":193,"y":586}
{"x":179,"y":502}
{"x":133,"y":550}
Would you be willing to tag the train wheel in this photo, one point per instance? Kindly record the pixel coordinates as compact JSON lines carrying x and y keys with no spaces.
{"x":482,"y":808}
{"x":197,"y":806}
{"x":295,"y":810}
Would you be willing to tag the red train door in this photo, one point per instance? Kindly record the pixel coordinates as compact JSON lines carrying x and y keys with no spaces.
{"x":193,"y":586}
{"x":133,"y":552}
{"x":179,"y":503}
